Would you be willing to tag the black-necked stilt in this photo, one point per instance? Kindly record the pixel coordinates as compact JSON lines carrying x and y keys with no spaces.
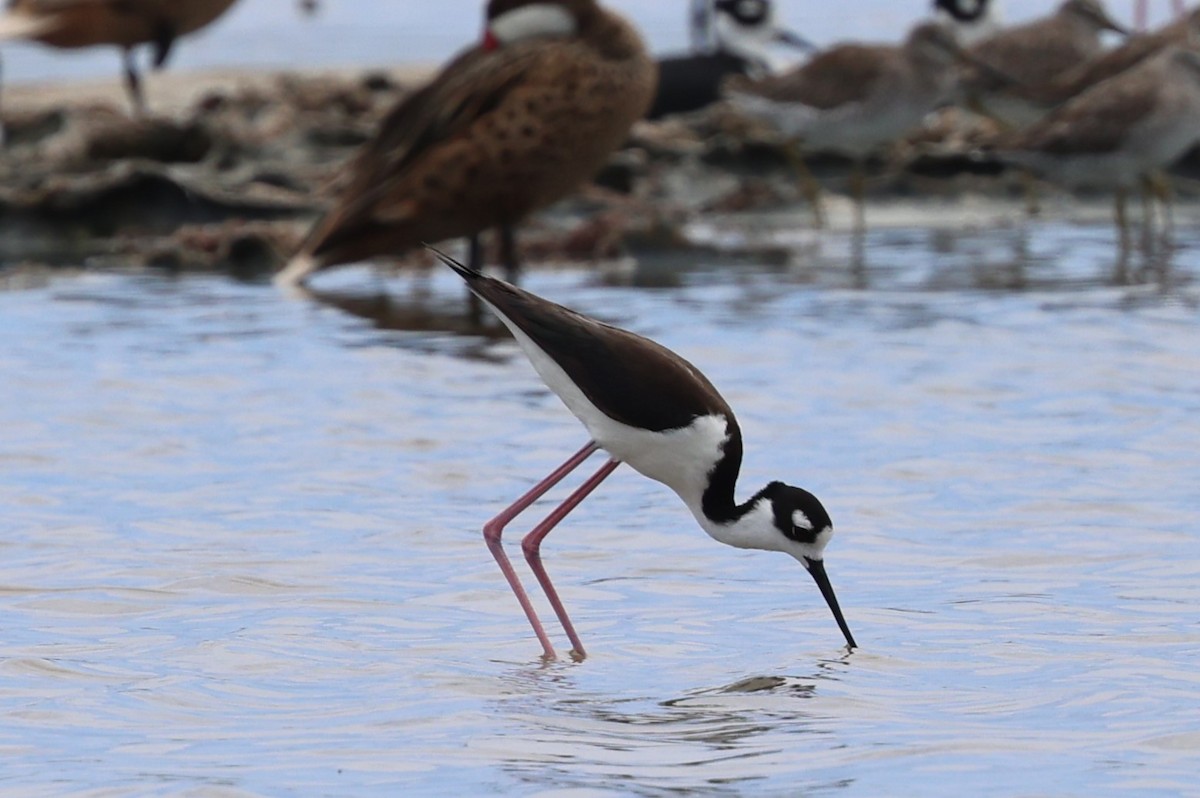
{"x":72,"y":24}
{"x":1035,"y":53}
{"x":971,"y":20}
{"x":1120,"y":133}
{"x":854,"y":98}
{"x":509,"y":126}
{"x":646,"y":406}
{"x":744,"y":31}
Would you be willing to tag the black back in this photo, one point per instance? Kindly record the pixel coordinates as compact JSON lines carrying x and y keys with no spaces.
{"x":691,"y":82}
{"x":631,"y":379}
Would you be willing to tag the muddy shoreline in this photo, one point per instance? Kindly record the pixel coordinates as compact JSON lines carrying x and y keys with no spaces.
{"x":232,"y":168}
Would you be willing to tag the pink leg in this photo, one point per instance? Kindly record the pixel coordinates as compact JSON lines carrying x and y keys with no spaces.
{"x":1139,"y":15}
{"x":532,"y":542}
{"x":1179,"y":9}
{"x":493,"y":529}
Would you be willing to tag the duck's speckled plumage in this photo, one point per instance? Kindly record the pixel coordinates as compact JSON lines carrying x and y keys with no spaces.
{"x":497,"y":134}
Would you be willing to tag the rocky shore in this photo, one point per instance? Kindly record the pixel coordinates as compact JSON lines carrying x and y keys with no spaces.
{"x":232,"y":168}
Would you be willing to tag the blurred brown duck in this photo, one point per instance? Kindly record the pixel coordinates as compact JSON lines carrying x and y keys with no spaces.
{"x":509,"y":126}
{"x":71,"y":24}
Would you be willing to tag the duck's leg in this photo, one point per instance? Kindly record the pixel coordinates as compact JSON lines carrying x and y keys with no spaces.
{"x":508,"y":252}
{"x":475,"y":261}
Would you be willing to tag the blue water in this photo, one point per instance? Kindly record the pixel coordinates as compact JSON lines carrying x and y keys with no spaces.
{"x":241,"y":551}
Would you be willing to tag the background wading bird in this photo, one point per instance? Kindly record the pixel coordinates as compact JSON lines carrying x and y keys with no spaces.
{"x":1119,"y":134}
{"x":744,"y":31}
{"x":1141,"y":14}
{"x":1052,"y":93}
{"x":1031,"y":54}
{"x":854,"y":98}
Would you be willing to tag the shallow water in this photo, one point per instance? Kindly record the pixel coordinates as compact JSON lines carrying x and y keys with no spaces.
{"x":241,"y":550}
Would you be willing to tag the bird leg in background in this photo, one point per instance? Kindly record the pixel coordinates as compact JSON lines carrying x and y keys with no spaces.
{"x":3,"y":136}
{"x":493,"y":530}
{"x":475,"y":261}
{"x":809,"y":187}
{"x":531,"y":545}
{"x":133,"y":83}
{"x":1121,"y":219}
{"x":1147,"y":228}
{"x":1158,"y":186}
{"x":858,"y":193}
{"x":1033,"y":197}
{"x":508,"y":252}
{"x":507,"y":238}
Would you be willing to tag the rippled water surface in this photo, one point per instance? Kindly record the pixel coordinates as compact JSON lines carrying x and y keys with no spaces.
{"x":239,"y":536}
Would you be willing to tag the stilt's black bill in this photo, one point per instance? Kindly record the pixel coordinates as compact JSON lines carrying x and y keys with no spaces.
{"x":817,"y":569}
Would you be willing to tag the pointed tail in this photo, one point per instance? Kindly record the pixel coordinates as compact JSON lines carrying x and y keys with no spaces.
{"x":462,"y":270}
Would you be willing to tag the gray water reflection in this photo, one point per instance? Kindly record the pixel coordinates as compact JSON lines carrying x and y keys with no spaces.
{"x":241,"y":551}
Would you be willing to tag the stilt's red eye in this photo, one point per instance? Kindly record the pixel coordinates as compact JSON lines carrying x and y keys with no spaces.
{"x":490,"y":42}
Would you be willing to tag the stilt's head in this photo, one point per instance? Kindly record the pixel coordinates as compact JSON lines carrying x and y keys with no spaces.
{"x":801,"y":527}
{"x":963,"y":10}
{"x":748,"y":27}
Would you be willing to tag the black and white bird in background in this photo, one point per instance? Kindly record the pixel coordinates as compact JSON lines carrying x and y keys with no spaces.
{"x":729,"y":37}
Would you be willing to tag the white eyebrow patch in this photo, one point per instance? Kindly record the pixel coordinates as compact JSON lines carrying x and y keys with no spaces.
{"x":535,"y":19}
{"x":801,"y":521}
